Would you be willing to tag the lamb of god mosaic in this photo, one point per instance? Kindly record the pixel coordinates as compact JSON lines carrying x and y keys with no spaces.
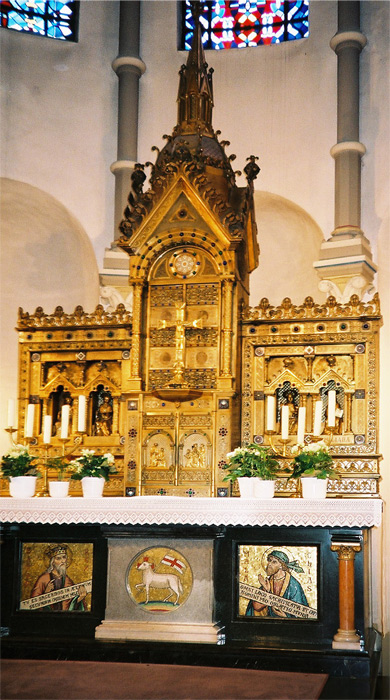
{"x":159,"y":579}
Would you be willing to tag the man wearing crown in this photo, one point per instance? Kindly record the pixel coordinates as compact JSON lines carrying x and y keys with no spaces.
{"x":55,"y":578}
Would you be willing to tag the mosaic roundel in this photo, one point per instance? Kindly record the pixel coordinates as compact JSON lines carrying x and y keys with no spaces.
{"x":159,"y":579}
{"x":184,"y":263}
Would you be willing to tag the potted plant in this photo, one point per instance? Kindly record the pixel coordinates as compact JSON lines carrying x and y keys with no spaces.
{"x":18,"y":467}
{"x":255,"y":468}
{"x":59,"y":488}
{"x":313,"y":465}
{"x":93,"y":470}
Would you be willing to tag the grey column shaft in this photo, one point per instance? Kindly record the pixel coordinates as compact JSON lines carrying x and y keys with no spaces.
{"x":129,"y":68}
{"x":348,"y":43}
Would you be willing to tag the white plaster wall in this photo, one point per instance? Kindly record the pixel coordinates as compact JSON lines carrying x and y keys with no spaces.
{"x":278,"y":102}
{"x":289,"y":242}
{"x":47,"y":260}
{"x":59,"y":116}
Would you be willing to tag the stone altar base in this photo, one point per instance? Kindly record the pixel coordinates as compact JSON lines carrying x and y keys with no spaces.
{"x":160,"y":631}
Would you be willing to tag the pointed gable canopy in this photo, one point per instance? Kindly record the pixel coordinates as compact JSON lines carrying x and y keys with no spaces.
{"x":195,"y":157}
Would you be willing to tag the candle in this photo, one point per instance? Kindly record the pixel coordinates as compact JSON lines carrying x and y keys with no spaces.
{"x":301,"y":424}
{"x":47,"y":430}
{"x":81,"y":415}
{"x":285,"y":412}
{"x":11,"y":413}
{"x":317,"y":418}
{"x":29,"y":425}
{"x":271,"y":402}
{"x":331,"y":408}
{"x":65,"y":413}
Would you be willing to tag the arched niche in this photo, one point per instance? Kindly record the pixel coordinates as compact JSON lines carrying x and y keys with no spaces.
{"x":289,"y":240}
{"x":47,"y":260}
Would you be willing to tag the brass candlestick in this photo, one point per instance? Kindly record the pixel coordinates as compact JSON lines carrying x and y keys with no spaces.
{"x":44,"y":490}
{"x":11,"y":430}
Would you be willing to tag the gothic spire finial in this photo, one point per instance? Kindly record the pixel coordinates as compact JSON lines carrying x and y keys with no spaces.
{"x":195,"y":97}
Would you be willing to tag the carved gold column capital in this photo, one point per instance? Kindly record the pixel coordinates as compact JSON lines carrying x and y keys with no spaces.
{"x":346,"y":550}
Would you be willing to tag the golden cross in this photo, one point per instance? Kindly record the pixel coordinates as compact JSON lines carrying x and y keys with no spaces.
{"x":180,"y":327}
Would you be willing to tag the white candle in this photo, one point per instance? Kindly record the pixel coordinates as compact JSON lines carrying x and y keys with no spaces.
{"x":271,"y":402}
{"x":317,"y":418}
{"x":11,"y":413}
{"x":301,"y":424}
{"x":81,"y":415}
{"x":285,"y":412}
{"x":47,"y":430}
{"x":29,"y":425}
{"x":65,"y":413}
{"x":331,"y":408}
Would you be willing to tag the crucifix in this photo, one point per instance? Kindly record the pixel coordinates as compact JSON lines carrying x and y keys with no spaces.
{"x":180,"y":329}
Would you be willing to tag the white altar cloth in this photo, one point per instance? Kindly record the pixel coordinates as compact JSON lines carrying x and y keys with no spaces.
{"x":165,"y":510}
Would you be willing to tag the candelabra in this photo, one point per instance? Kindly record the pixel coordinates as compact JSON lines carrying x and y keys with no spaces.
{"x":286,"y":444}
{"x":43,"y":449}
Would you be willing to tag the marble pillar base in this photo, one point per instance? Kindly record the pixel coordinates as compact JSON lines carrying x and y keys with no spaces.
{"x":160,"y":631}
{"x":346,"y":639}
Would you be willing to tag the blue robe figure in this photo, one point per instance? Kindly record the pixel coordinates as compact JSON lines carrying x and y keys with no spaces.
{"x":278,"y":570}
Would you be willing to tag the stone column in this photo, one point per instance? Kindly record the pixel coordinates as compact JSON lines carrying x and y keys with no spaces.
{"x":345,"y":265}
{"x":346,"y":637}
{"x":129,"y":67}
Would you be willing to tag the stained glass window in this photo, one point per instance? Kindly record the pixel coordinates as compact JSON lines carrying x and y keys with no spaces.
{"x":51,"y":18}
{"x":238,"y":24}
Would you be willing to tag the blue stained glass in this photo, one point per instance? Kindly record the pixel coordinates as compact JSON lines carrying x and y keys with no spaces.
{"x":52,"y":18}
{"x":241,"y":23}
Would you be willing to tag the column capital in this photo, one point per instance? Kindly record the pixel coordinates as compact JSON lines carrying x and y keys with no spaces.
{"x":346,"y":550}
{"x":122,"y":165}
{"x":344,"y":40}
{"x":128,"y":63}
{"x":343,"y":146}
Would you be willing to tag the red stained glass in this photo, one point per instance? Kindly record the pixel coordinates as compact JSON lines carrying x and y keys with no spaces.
{"x":238,"y":24}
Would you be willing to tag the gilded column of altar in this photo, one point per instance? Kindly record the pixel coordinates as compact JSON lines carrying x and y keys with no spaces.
{"x":115,"y":416}
{"x":135,"y":370}
{"x":227,"y":332}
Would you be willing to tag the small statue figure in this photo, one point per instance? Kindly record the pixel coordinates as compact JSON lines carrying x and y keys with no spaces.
{"x":193,"y":457}
{"x":202,"y":456}
{"x":157,"y":457}
{"x":103,"y":417}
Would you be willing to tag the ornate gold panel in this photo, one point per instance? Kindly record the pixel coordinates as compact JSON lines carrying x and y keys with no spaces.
{"x":297,"y":354}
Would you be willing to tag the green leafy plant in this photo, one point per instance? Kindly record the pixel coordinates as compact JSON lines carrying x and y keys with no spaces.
{"x":61,"y":465}
{"x":90,"y":464}
{"x":18,"y":462}
{"x":312,"y":460}
{"x":253,"y":461}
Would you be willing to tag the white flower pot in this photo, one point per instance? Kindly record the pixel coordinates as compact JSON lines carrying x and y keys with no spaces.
{"x":22,"y":486}
{"x":58,"y":489}
{"x":92,"y":486}
{"x":247,"y":486}
{"x":313,"y":487}
{"x":264,"y":488}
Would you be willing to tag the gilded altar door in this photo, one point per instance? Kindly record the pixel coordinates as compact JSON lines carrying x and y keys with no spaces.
{"x":181,"y":427}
